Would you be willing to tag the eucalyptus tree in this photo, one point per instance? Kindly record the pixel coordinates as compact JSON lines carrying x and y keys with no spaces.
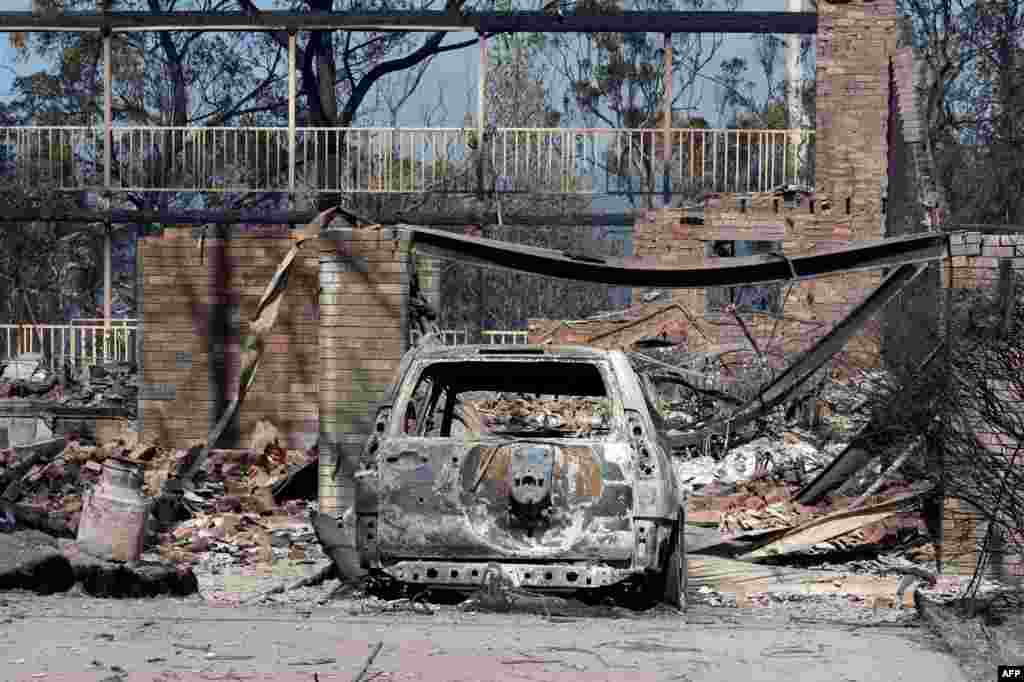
{"x":618,"y":81}
{"x":188,"y":79}
{"x":971,"y":89}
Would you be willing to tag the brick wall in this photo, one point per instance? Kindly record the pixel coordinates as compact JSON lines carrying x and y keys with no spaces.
{"x":676,"y":239}
{"x":197,"y":298}
{"x":975,"y":263}
{"x":363,"y":332}
{"x":856,"y":41}
{"x":976,"y":256}
{"x":912,"y":322}
{"x":340,"y":335}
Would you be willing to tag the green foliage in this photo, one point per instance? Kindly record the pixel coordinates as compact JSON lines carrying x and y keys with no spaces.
{"x":972,"y":103}
{"x":774,"y":116}
{"x":503,"y":48}
{"x":619,"y":80}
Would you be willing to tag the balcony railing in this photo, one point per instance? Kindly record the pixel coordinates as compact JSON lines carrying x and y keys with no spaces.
{"x":82,"y":342}
{"x":506,"y":337}
{"x":461,"y":337}
{"x":409,"y":160}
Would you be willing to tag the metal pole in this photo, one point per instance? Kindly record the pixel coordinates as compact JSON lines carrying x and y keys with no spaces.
{"x":667,"y":123}
{"x":794,"y":97}
{"x":108,"y":112}
{"x":481,"y":113}
{"x":108,"y":155}
{"x":107,"y":287}
{"x":291,"y":117}
{"x":481,"y":120}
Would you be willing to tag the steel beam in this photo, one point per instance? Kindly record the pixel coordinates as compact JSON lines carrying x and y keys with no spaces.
{"x":863,"y":447}
{"x":291,"y":117}
{"x":783,"y":386}
{"x":667,"y":123}
{"x":483,"y":22}
{"x":108,"y":113}
{"x":643,"y":272}
{"x":108,"y":288}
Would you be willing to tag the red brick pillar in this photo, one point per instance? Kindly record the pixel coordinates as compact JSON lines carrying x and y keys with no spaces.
{"x":364,"y":330}
{"x":183,"y":278}
{"x":855,"y":43}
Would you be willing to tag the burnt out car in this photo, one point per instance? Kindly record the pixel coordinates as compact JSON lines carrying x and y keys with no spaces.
{"x":543,"y":461}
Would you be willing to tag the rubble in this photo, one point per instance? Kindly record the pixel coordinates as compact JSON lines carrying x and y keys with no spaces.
{"x":26,"y":461}
{"x":109,"y":385}
{"x":25,"y":367}
{"x":248,"y":524}
{"x":978,"y":631}
{"x":234,"y":521}
{"x":31,"y":560}
{"x":747,"y":583}
{"x":790,"y":459}
{"x":578,"y":415}
{"x":102,"y":578}
{"x":806,"y":536}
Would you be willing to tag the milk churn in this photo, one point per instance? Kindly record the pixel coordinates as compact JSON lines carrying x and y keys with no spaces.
{"x":113,"y":522}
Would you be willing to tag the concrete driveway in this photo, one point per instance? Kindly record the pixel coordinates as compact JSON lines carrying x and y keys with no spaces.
{"x":81,"y":639}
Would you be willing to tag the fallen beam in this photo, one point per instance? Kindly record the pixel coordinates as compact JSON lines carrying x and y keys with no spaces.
{"x":58,"y":524}
{"x":783,"y":386}
{"x":641,"y":272}
{"x":743,"y":578}
{"x":28,"y":456}
{"x":829,"y":527}
{"x":859,"y":451}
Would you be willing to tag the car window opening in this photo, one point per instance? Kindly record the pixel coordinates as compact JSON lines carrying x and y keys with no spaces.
{"x":516,"y":399}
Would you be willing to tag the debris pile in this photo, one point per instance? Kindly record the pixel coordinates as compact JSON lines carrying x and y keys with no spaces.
{"x":791,"y":459}
{"x":758,"y":545}
{"x":768,"y":507}
{"x":112,"y":385}
{"x":234,"y":521}
{"x":243,"y":538}
{"x":576,"y":415}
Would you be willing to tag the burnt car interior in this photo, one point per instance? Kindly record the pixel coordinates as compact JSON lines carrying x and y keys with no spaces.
{"x":509,"y":398}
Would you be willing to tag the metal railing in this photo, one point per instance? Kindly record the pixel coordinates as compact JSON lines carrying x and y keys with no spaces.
{"x":506,"y":337}
{"x":99,"y":321}
{"x":82,"y":345}
{"x":410,"y":160}
{"x":449,"y":337}
{"x":462,"y":337}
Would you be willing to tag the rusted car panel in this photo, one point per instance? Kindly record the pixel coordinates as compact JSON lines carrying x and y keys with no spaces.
{"x":443,"y":492}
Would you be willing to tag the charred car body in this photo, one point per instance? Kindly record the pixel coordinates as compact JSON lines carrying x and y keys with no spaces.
{"x":544,"y":461}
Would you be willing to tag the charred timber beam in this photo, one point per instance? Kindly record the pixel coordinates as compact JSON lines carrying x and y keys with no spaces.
{"x":811,"y":361}
{"x":783,"y":386}
{"x":482,"y":22}
{"x":640,"y":272}
{"x":863,"y":448}
{"x":27,"y":457}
